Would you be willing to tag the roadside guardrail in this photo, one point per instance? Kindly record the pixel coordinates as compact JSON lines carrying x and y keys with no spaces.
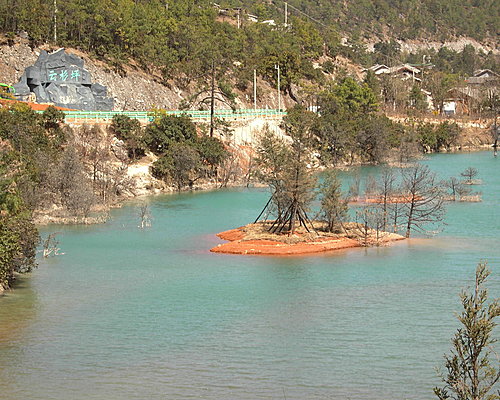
{"x":81,"y":117}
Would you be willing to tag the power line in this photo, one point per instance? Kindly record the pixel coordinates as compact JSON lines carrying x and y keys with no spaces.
{"x":305,"y":14}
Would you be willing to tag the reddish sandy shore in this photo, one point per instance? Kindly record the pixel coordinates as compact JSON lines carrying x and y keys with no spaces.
{"x":238,"y":245}
{"x":34,"y":106}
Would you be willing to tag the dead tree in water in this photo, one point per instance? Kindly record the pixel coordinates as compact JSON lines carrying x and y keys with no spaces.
{"x":424,"y":203}
{"x":386,"y":191}
{"x":50,"y":245}
{"x":454,"y":186}
{"x":469,"y":174}
{"x":145,"y":215}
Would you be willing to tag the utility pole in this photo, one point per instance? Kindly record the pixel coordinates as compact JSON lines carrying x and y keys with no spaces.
{"x":239,"y":21}
{"x":496,"y":135}
{"x":212,"y":100}
{"x":277,"y":66}
{"x":55,"y":21}
{"x":286,"y":14}
{"x":255,"y":89}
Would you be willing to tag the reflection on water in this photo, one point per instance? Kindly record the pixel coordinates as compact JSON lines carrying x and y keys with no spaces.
{"x":132,"y":314}
{"x":17,"y":310}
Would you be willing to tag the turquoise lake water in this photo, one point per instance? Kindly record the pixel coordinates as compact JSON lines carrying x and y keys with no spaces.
{"x":131,"y":314}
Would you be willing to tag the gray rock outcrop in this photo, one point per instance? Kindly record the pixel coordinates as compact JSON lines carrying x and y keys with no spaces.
{"x":60,"y":78}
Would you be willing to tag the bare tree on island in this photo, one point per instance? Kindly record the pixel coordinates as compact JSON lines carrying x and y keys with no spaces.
{"x":424,"y":204}
{"x":288,"y":172}
{"x":459,"y":191}
{"x":272,"y":155}
{"x":455,"y":187}
{"x":470,"y":373}
{"x":386,"y":187}
{"x":365,"y":217}
{"x":469,"y":174}
{"x":333,"y":202}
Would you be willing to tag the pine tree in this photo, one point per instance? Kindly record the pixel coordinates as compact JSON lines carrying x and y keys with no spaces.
{"x":470,"y":374}
{"x":287,"y":170}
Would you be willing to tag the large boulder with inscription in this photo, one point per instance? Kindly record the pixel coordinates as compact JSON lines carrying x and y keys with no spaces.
{"x":61,"y":79}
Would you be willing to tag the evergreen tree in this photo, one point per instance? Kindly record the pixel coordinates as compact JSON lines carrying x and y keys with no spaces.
{"x":287,"y":168}
{"x":470,"y":375}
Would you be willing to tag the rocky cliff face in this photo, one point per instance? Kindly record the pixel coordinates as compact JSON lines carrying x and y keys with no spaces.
{"x":134,"y":91}
{"x":131,"y":88}
{"x":456,"y":44}
{"x":61,"y":79}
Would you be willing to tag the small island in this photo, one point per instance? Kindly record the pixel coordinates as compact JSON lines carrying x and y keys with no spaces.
{"x":412,"y":201}
{"x":256,"y":239}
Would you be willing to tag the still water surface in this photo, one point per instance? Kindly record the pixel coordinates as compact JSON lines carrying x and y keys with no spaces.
{"x":131,"y":314}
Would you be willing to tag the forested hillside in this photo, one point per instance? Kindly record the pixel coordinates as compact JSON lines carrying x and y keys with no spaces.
{"x":183,"y":38}
{"x":401,"y":19}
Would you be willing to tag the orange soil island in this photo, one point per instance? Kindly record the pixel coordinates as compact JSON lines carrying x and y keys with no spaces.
{"x":254,"y":239}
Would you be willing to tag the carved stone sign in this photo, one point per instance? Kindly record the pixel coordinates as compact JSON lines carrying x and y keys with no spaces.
{"x":60,"y":78}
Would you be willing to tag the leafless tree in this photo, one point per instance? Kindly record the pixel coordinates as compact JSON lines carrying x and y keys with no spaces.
{"x":369,"y":226}
{"x":73,"y":184}
{"x":353,"y":192}
{"x":145,"y":215}
{"x":469,"y":174}
{"x":459,"y":191}
{"x":112,"y":181}
{"x":378,"y":223}
{"x":362,"y":229}
{"x":228,"y":170}
{"x":386,"y":187}
{"x":466,"y":194}
{"x":94,"y":146}
{"x":211,"y":92}
{"x":454,"y":186}
{"x":50,"y":245}
{"x":103,"y":163}
{"x":424,"y":199}
{"x":395,"y":214}
{"x":333,"y":203}
{"x":370,"y":187}
{"x":250,"y":171}
{"x":463,"y":191}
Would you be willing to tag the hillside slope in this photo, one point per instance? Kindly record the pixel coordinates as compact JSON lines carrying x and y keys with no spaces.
{"x":132,"y":88}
